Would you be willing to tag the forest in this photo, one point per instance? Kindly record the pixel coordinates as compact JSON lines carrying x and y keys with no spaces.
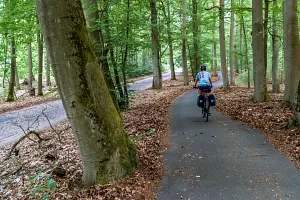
{"x":95,"y":95}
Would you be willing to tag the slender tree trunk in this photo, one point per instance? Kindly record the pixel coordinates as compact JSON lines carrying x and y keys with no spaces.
{"x":40,"y":55}
{"x":275,"y":49}
{"x":246,"y":52}
{"x":291,"y":50}
{"x":48,"y":81}
{"x":215,"y":59}
{"x":232,"y":38}
{"x":5,"y":60}
{"x":222,"y":47}
{"x":11,"y":90}
{"x":260,"y":83}
{"x":195,"y":35}
{"x":31,"y":90}
{"x":266,"y":19}
{"x":18,"y":87}
{"x":106,"y":151}
{"x":184,"y":41}
{"x":92,"y":13}
{"x":124,"y":56}
{"x":173,"y":76}
{"x":157,"y":76}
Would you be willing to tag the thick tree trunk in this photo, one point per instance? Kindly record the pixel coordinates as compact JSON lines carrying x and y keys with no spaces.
{"x":291,"y":50}
{"x":106,"y":151}
{"x":222,"y":47}
{"x":195,"y":35}
{"x":231,"y":46}
{"x":184,"y":42}
{"x":275,"y":51}
{"x":170,"y":42}
{"x":30,"y":89}
{"x":11,"y":90}
{"x":157,"y":76}
{"x":92,"y":14}
{"x":215,"y":59}
{"x":40,"y":56}
{"x":260,"y":84}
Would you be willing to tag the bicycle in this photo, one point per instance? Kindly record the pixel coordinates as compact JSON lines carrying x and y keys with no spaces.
{"x":206,"y":105}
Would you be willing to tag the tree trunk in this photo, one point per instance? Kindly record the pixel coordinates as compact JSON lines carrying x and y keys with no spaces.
{"x":173,"y":76}
{"x":195,"y":35}
{"x":291,"y":50}
{"x":40,"y":75}
{"x":157,"y":76}
{"x":30,"y":89}
{"x":5,"y":60}
{"x":275,"y":50}
{"x":17,"y":82}
{"x":48,"y":81}
{"x":260,"y":87}
{"x":92,"y":14}
{"x":184,"y":56}
{"x":232,"y":38}
{"x":266,"y":19}
{"x":105,"y":149}
{"x":246,"y":52}
{"x":222,"y":47}
{"x":11,"y":90}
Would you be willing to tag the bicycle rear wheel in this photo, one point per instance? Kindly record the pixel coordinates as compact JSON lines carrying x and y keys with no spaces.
{"x":207,"y":111}
{"x":204,"y":110}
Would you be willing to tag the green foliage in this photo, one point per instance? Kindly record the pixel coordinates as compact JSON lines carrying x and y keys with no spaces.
{"x":44,"y":186}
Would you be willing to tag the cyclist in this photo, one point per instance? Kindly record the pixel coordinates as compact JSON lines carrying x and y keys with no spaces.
{"x":203,"y":77}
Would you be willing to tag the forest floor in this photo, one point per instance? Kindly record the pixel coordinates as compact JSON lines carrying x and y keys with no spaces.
{"x":268,"y":118}
{"x":146,"y":122}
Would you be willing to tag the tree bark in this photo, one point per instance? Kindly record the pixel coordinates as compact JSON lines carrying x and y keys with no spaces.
{"x":11,"y":90}
{"x":275,"y":51}
{"x":157,"y":76}
{"x":246,"y":52}
{"x":231,"y":46}
{"x":40,"y":63}
{"x":195,"y":35}
{"x":184,"y":56}
{"x":222,"y":47}
{"x":92,"y":14}
{"x":106,"y":151}
{"x":291,"y":50}
{"x":30,"y":89}
{"x":17,"y":82}
{"x":266,"y":19}
{"x":5,"y":60}
{"x":260,"y":84}
{"x":170,"y":42}
{"x":48,"y":69}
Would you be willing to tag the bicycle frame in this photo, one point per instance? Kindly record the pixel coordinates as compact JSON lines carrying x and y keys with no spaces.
{"x":206,"y":106}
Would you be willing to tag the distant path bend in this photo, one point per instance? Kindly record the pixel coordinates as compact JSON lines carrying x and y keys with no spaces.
{"x":10,"y":122}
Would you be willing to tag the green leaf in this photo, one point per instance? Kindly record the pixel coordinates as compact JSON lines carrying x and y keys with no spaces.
{"x":34,"y":179}
{"x":45,"y":196}
{"x":51,"y":183}
{"x":148,"y":133}
{"x":38,"y":188}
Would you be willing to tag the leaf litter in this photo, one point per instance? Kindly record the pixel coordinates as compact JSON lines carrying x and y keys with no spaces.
{"x":267,"y":117}
{"x":147,"y":117}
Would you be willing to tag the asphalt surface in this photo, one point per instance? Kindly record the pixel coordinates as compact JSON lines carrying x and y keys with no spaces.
{"x":222,"y":159}
{"x":12,"y":123}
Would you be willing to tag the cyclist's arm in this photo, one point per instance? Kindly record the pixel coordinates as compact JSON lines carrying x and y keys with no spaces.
{"x":210,"y":81}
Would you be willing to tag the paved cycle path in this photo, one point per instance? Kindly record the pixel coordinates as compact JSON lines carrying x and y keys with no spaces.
{"x":222,"y":159}
{"x":31,"y":119}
